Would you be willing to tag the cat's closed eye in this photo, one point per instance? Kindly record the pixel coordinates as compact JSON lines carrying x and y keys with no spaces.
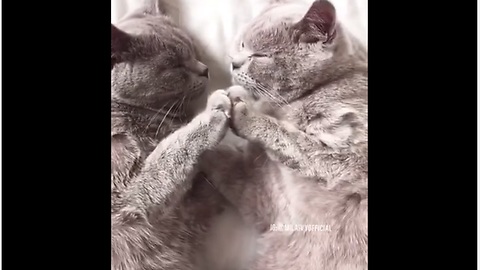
{"x":258,"y":55}
{"x":264,"y":58}
{"x":242,"y":45}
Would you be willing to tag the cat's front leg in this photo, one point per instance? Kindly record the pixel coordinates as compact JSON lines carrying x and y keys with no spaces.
{"x":290,"y":146}
{"x":161,"y":183}
{"x":168,"y":170}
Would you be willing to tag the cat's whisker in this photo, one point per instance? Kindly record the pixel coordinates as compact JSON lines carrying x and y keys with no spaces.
{"x":273,"y":94}
{"x":259,"y":156}
{"x":210,"y":183}
{"x":265,"y":89}
{"x":283,"y":99}
{"x":260,"y":93}
{"x":164,"y":117}
{"x":269,"y":96}
{"x":266,"y":93}
{"x":155,"y":116}
{"x":179,"y":106}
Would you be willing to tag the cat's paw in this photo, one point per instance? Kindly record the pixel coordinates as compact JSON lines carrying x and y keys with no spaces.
{"x":216,"y":116}
{"x":237,"y":94}
{"x":219,"y":101}
{"x":241,"y":117}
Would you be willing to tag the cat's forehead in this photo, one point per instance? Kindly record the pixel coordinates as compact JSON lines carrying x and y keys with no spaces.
{"x":268,"y":37}
{"x":273,"y":27}
{"x":154,"y":35}
{"x":150,"y":46}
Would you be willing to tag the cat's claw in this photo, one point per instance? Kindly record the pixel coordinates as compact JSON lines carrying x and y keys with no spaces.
{"x":219,"y":101}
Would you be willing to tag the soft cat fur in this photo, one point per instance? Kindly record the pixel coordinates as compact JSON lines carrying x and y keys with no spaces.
{"x":303,"y":113}
{"x":161,"y":206}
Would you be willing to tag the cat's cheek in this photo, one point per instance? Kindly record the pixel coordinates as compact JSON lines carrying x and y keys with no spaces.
{"x":261,"y":69}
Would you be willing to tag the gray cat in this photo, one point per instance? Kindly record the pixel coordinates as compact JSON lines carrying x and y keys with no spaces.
{"x":161,"y":206}
{"x":302,"y":109}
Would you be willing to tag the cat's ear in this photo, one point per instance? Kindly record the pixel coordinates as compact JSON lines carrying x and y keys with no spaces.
{"x":318,"y":24}
{"x":120,"y":43}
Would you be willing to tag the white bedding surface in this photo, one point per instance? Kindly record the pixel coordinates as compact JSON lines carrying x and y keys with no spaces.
{"x":214,"y":23}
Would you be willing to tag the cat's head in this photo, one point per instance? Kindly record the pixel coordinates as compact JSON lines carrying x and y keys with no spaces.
{"x":153,"y":62}
{"x":288,"y":50}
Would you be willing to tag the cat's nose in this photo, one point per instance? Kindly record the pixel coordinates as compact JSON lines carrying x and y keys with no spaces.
{"x":204,"y":72}
{"x":199,"y":68}
{"x":237,"y":61}
{"x":236,"y":65}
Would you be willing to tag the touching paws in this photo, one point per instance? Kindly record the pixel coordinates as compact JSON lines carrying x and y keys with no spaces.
{"x":219,"y":101}
{"x":234,"y":103}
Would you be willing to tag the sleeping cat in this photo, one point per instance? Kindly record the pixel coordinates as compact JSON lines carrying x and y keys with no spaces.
{"x":302,"y":108}
{"x":214,"y":23}
{"x":160,"y":206}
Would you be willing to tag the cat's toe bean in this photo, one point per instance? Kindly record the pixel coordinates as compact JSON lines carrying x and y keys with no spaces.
{"x":237,"y":93}
{"x":240,"y":107}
